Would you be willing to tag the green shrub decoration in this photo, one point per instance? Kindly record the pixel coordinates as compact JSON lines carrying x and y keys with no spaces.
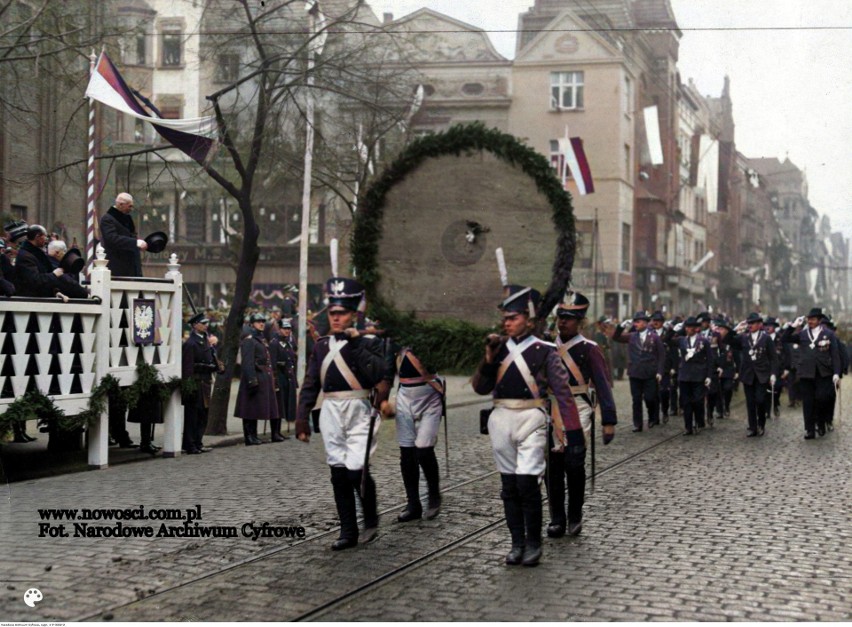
{"x":451,"y":345}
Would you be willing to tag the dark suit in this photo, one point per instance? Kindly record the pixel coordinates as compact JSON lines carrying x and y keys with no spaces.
{"x":199,"y":363}
{"x":695,"y":366}
{"x":819,"y":360}
{"x":759,"y":363}
{"x":120,"y":241}
{"x":34,"y":273}
{"x":646,"y":360}
{"x":7,"y":288}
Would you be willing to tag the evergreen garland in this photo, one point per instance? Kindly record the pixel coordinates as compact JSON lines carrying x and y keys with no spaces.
{"x":367,"y":234}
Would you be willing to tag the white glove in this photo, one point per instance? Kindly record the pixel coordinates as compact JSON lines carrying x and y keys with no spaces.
{"x":59,"y":272}
{"x":740,"y":327}
{"x":678,"y":327}
{"x":785,"y":326}
{"x":799,"y":321}
{"x":659,"y":378}
{"x":772,"y":380}
{"x":836,"y":380}
{"x":719,"y":371}
{"x":671,"y":372}
{"x":707,"y":382}
{"x":142,"y":244}
{"x":785,"y":374}
{"x":626,"y":324}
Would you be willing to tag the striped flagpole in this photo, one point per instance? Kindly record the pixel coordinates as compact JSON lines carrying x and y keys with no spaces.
{"x":90,"y":180}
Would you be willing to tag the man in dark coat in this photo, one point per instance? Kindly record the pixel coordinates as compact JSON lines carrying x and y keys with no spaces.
{"x":646,"y":360}
{"x":771,"y":326}
{"x":282,"y":351}
{"x":256,"y":397}
{"x":35,"y":274}
{"x":697,"y":363}
{"x":7,"y":288}
{"x":726,"y":368}
{"x":120,"y":240}
{"x":198,"y":363}
{"x":345,"y":366}
{"x":758,"y":369}
{"x":819,"y":369}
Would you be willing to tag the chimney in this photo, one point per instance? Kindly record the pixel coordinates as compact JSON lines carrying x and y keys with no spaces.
{"x":387,"y":18}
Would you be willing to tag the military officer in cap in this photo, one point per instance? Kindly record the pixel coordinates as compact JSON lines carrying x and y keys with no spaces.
{"x":256,"y":396}
{"x":646,"y":357}
{"x":283,"y":352}
{"x":818,"y":368}
{"x":758,"y":369}
{"x":694,"y":374}
{"x":198,"y":363}
{"x":589,"y":381}
{"x":418,"y":408}
{"x":517,"y":371}
{"x":345,"y":366}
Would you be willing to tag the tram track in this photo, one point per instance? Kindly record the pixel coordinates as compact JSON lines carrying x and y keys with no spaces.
{"x":389,"y":574}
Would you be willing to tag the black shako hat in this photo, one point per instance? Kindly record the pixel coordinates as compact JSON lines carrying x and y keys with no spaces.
{"x":157,"y":242}
{"x":199,"y":318}
{"x":816,"y":312}
{"x":573,"y":305}
{"x":520,"y":299}
{"x":72,"y":262}
{"x":754,"y":317}
{"x":343,"y":292}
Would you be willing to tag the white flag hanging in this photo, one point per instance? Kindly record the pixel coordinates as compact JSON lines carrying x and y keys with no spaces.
{"x":652,"y":131}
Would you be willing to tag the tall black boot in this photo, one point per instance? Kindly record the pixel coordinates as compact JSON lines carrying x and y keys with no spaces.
{"x":275,"y":428}
{"x":514,"y":517}
{"x":20,"y":432}
{"x":429,"y":463}
{"x":344,"y":499}
{"x":368,"y":504}
{"x":575,"y":469}
{"x":530,"y":494}
{"x":411,"y":481}
{"x":250,"y":432}
{"x":556,"y":495}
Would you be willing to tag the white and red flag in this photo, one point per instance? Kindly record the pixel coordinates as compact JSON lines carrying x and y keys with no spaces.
{"x":197,"y":137}
{"x":577,"y":164}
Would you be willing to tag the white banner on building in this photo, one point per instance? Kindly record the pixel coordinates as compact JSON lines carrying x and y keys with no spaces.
{"x":652,"y":132}
{"x":708,"y":171}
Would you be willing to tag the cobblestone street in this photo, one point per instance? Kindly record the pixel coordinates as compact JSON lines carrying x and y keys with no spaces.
{"x":713,"y":527}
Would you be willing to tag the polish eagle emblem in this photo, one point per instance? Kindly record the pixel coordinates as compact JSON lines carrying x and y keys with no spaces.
{"x":337,"y":288}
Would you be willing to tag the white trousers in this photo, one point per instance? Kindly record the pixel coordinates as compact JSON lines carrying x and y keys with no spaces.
{"x":586,"y":414}
{"x":518,"y":440}
{"x":418,"y":416}
{"x":344,"y":425}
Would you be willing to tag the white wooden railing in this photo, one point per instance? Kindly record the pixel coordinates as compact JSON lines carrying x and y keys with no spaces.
{"x":65,"y":349}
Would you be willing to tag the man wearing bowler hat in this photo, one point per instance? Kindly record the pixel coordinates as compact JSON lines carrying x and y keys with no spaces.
{"x":819,"y":368}
{"x":517,"y":370}
{"x":345,"y":366}
{"x":770,"y":325}
{"x":646,"y":362}
{"x":198,"y":362}
{"x":694,"y":373}
{"x":120,"y":239}
{"x":758,"y":370}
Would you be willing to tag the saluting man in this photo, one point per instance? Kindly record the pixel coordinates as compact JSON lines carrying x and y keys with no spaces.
{"x":819,"y":368}
{"x":758,"y":369}
{"x":694,"y":375}
{"x":517,"y":371}
{"x":647,"y":356}
{"x":345,"y":366}
{"x":590,"y":384}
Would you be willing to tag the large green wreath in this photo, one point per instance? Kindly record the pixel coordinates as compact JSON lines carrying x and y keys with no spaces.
{"x":452,"y":345}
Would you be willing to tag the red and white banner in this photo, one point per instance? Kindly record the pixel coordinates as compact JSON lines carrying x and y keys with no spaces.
{"x":577,"y":164}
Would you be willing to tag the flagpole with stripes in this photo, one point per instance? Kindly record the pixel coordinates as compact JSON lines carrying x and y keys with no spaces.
{"x":90,"y":179}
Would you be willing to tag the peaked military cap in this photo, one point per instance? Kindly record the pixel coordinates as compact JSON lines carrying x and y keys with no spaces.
{"x":286,"y":324}
{"x":257,"y":317}
{"x":573,"y":305}
{"x":521,"y":299}
{"x":343,"y":292}
{"x":641,"y":315}
{"x":199,"y":318}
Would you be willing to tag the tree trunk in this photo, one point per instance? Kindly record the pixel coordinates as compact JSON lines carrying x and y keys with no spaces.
{"x":249,"y":255}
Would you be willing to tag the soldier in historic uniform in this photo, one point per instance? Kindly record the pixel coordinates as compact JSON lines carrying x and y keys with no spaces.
{"x":726,"y":369}
{"x":758,"y":369}
{"x":198,"y":363}
{"x":694,"y":374}
{"x":282,"y":351}
{"x":345,"y":366}
{"x":256,"y":396}
{"x":645,"y":368}
{"x":818,"y":369}
{"x":590,"y":385}
{"x":770,"y":325}
{"x":419,"y":407}
{"x":517,"y":371}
